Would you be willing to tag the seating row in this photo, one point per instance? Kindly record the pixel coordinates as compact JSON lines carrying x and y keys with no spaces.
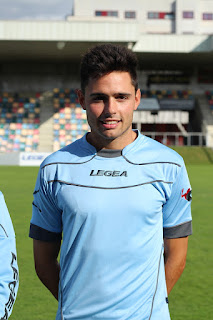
{"x":69,"y":97}
{"x":65,"y":95}
{"x":168,"y":94}
{"x":69,"y":120}
{"x":19,"y":122}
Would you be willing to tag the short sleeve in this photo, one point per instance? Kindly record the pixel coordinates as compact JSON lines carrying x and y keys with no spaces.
{"x":46,"y":224}
{"x":9,"y":276}
{"x":177,"y":219}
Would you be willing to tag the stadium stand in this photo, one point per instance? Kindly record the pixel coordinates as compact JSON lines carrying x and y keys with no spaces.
{"x":209,"y":96}
{"x":174,"y":49}
{"x":169,"y":94}
{"x":165,"y":113}
{"x":21,"y":119}
{"x":69,"y":118}
{"x":19,"y":122}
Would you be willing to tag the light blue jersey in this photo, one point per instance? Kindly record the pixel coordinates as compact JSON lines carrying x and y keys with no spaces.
{"x":113,"y":208}
{"x":9,"y":279}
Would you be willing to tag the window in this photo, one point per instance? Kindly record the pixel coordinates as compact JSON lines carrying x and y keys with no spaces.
{"x":188,"y":14}
{"x":161,"y":15}
{"x":207,"y":16}
{"x":106,"y":13}
{"x":130,"y":14}
{"x":169,"y":16}
{"x":112,"y":13}
{"x":97,"y":13}
{"x":153,"y":15}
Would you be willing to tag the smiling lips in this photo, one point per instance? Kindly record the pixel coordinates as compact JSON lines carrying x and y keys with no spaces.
{"x":110,"y":124}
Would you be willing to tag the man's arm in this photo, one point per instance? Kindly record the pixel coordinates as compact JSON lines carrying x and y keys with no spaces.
{"x":175,"y":251}
{"x":9,"y":276}
{"x":46,"y":264}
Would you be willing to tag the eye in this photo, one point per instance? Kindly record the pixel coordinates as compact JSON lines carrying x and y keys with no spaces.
{"x":122,"y":97}
{"x":98,"y":98}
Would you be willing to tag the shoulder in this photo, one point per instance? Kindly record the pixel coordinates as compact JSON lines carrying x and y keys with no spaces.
{"x":161,"y":152}
{"x":3,"y":203}
{"x":76,"y":152}
{"x":148,"y":150}
{"x":1,"y":196}
{"x":6,"y":227}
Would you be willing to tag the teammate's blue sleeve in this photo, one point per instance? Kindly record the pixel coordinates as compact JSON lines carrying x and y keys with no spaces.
{"x":46,"y":224}
{"x":177,"y":209}
{"x":9,"y":277}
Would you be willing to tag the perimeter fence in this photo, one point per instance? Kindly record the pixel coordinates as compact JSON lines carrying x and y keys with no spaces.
{"x":178,"y":138}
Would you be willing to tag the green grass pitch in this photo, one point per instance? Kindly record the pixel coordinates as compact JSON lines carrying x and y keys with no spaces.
{"x":192,"y":296}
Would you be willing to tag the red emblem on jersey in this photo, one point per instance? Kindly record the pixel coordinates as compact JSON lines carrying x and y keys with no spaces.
{"x":186,"y":195}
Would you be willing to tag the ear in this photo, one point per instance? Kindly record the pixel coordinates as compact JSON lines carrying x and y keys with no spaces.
{"x":81,"y":98}
{"x":137,"y":99}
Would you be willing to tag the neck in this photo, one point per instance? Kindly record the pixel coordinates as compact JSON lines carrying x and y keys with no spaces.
{"x":113,"y":144}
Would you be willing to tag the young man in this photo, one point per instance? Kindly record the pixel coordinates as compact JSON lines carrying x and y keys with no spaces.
{"x":9,"y":279}
{"x":122,"y":201}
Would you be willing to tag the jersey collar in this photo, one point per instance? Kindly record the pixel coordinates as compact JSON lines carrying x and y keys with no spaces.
{"x":112,"y":153}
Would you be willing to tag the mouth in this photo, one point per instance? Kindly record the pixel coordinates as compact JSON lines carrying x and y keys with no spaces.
{"x":110,"y":124}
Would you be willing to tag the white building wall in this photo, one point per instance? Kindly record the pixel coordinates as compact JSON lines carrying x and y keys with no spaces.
{"x":180,"y":25}
{"x":157,"y":27}
{"x":87,"y":8}
{"x":141,"y":7}
{"x":206,"y":26}
{"x":174,"y":43}
{"x":65,"y":31}
{"x":187,"y":25}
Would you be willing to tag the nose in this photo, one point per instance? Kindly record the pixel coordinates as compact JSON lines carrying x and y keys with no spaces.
{"x":110,"y":106}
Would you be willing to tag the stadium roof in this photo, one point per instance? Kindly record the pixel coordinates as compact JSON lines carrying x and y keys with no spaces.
{"x":67,"y":40}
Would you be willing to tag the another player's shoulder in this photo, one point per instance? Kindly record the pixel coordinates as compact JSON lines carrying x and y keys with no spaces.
{"x":76,"y":152}
{"x":1,"y":197}
{"x":3,"y":203}
{"x":147,"y":150}
{"x":6,"y":227}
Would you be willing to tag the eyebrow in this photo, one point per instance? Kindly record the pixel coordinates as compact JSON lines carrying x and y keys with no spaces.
{"x":106,"y":95}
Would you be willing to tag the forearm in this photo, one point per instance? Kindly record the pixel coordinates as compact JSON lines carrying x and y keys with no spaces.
{"x":173,"y":270}
{"x":48,"y":273}
{"x":175,"y":251}
{"x":46,"y":264}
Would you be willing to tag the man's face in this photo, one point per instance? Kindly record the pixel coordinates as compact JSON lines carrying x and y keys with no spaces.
{"x":109,"y":102}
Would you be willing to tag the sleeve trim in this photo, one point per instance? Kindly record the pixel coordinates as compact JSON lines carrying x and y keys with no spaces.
{"x":41,"y":234}
{"x":179,"y":231}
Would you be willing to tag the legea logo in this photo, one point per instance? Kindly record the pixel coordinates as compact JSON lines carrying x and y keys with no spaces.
{"x":108,"y":173}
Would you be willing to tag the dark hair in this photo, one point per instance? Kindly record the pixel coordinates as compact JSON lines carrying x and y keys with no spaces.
{"x":105,"y":58}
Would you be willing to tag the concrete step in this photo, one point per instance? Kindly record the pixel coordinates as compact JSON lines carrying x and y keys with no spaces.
{"x":46,"y":126}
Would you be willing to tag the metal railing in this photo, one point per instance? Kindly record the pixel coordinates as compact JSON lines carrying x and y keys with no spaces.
{"x":178,"y":138}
